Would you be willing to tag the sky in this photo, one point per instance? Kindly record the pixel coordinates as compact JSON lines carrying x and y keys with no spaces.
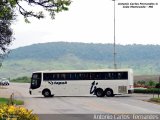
{"x":91,"y":21}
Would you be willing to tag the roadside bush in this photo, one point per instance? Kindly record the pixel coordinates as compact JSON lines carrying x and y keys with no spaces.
{"x":157,"y":85}
{"x":19,"y":113}
{"x":147,"y":91}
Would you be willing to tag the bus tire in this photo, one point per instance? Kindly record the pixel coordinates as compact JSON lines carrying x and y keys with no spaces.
{"x":109,"y":92}
{"x":46,"y":93}
{"x":99,"y":92}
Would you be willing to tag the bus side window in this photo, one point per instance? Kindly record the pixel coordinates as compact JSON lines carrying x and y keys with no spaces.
{"x":47,"y":76}
{"x":119,"y":75}
{"x":92,"y":76}
{"x":109,"y":76}
{"x":57,"y":76}
{"x":72,"y":76}
{"x":76,"y":76}
{"x":54,"y":76}
{"x":62,"y":76}
{"x":106,"y":75}
{"x":79,"y":76}
{"x":97,"y":76}
{"x":102,"y":76}
{"x":86,"y":76}
{"x":115,"y":75}
{"x":125,"y":75}
{"x":69,"y":76}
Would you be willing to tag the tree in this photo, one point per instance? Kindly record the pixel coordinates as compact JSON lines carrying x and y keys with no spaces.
{"x":8,"y":15}
{"x":151,"y":83}
{"x":51,"y":6}
{"x":5,"y":37}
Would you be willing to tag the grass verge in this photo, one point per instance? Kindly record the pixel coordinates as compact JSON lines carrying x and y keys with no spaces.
{"x":6,"y":101}
{"x":155,"y":100}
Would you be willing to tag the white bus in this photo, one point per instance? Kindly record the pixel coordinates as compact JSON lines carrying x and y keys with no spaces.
{"x":82,"y":82}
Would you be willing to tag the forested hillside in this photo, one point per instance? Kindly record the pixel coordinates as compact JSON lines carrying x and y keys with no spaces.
{"x":97,"y":52}
{"x":144,"y":59}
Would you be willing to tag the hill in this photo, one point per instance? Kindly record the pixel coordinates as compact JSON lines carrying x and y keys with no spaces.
{"x":84,"y":51}
{"x":144,"y":59}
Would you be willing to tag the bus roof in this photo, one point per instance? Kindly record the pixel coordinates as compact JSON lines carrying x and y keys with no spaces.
{"x":74,"y":71}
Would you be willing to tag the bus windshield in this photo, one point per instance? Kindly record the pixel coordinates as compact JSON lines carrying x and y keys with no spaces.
{"x":35,"y":80}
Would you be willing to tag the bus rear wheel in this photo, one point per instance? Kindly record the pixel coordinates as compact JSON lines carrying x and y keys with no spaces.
{"x":46,"y":93}
{"x":109,"y":92}
{"x":99,"y":92}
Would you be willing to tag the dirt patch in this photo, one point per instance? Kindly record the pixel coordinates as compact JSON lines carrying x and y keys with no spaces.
{"x":151,"y":101}
{"x":2,"y":87}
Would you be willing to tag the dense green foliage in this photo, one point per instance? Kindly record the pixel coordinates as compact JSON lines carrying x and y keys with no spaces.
{"x":148,"y":91}
{"x":146,"y":84}
{"x":97,"y":52}
{"x":51,"y":6}
{"x":23,"y":79}
{"x":144,"y":59}
{"x":158,"y":85}
{"x":7,"y":8}
{"x":6,"y":17}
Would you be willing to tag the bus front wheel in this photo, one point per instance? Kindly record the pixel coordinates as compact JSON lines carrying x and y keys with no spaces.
{"x":99,"y":92}
{"x":109,"y":92}
{"x":46,"y":93}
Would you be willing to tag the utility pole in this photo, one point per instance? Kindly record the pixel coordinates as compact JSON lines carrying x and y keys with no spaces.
{"x":114,"y":51}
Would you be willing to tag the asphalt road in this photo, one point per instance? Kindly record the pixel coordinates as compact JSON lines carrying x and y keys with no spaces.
{"x":122,"y":104}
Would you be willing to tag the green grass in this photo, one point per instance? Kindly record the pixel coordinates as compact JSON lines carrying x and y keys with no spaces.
{"x":156,"y":100}
{"x":6,"y":101}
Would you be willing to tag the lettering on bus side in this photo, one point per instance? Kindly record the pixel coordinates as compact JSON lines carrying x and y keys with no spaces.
{"x":93,"y":87}
{"x":57,"y":83}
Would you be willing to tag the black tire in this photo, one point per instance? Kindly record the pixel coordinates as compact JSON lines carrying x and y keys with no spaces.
{"x":99,"y":92}
{"x":46,"y":93}
{"x":109,"y":92}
